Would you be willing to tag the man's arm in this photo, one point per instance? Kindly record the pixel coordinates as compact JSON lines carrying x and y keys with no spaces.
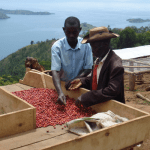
{"x":83,"y":74}
{"x":55,"y":67}
{"x":56,"y":80}
{"x":109,"y":92}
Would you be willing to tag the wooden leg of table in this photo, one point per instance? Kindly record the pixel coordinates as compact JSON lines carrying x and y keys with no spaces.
{"x":131,"y":82}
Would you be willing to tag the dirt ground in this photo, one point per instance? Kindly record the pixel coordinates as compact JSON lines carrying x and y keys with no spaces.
{"x":133,"y":100}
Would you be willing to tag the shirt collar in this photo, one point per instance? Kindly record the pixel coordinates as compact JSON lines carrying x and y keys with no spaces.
{"x":104,"y":58}
{"x":68,"y":47}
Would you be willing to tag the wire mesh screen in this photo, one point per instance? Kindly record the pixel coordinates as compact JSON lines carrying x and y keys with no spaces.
{"x":135,"y":65}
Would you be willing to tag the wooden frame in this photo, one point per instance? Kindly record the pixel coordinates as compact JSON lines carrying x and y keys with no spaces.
{"x":116,"y":137}
{"x":16,"y":115}
{"x":135,"y":75}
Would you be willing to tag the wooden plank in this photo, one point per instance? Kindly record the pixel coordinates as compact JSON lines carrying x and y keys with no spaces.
{"x":131,"y":64}
{"x":16,"y":122}
{"x":136,"y":66}
{"x":49,"y":142}
{"x":146,"y":71}
{"x":131,"y":82}
{"x":11,"y":103}
{"x":72,"y":94}
{"x":11,"y":88}
{"x":22,"y":86}
{"x":115,"y":137}
{"x":120,"y":109}
{"x":32,"y":137}
{"x":140,"y":62}
{"x":128,"y":72}
{"x":33,"y":78}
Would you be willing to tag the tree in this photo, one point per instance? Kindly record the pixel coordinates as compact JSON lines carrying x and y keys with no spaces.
{"x":32,"y":42}
{"x":127,"y":38}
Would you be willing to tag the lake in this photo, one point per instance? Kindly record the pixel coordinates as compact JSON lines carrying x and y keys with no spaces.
{"x":19,"y":30}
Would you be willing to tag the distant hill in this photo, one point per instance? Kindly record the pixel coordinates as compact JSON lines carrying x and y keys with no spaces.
{"x":138,"y":20}
{"x":3,"y":16}
{"x":85,"y":26}
{"x":14,"y":64}
{"x":23,"y":12}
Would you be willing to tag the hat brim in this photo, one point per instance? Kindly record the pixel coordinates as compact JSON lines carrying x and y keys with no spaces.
{"x":99,"y":36}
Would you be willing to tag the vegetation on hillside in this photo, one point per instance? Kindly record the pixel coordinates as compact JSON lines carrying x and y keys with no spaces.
{"x":131,"y":37}
{"x":8,"y":80}
{"x":23,"y":12}
{"x":138,"y":20}
{"x":14,"y":64}
{"x":85,"y":27}
{"x":3,"y":16}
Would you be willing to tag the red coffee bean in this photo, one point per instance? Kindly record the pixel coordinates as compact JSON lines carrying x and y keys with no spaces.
{"x":48,"y":111}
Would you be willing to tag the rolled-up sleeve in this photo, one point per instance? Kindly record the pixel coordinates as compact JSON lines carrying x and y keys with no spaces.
{"x":88,"y":63}
{"x":55,"y":58}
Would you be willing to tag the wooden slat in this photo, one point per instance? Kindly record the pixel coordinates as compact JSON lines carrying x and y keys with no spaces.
{"x":11,"y":103}
{"x":72,"y":94}
{"x":115,"y":137}
{"x":33,"y":78}
{"x":136,"y":66}
{"x":123,"y":109}
{"x":135,"y":61}
{"x":49,"y":142}
{"x":12,"y":88}
{"x":16,"y":122}
{"x":22,"y":86}
{"x":33,"y":137}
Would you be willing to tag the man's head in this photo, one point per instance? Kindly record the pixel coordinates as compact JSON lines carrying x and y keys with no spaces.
{"x":100,"y":48}
{"x":72,"y":29}
{"x":99,"y":39}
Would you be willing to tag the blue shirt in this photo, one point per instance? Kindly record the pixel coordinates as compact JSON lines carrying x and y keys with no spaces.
{"x":70,"y":62}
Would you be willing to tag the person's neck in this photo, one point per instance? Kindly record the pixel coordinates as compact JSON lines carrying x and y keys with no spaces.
{"x":73,"y":44}
{"x":101,"y":57}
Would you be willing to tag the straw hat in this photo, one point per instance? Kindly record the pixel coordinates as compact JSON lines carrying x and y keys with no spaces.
{"x":99,"y":33}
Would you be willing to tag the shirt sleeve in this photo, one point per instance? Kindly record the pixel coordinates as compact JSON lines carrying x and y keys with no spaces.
{"x":88,"y":63}
{"x":55,"y":58}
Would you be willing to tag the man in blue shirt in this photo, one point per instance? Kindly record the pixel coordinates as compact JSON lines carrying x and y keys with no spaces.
{"x":70,"y":58}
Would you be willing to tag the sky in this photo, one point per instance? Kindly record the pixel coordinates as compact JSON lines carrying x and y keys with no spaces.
{"x":75,"y":4}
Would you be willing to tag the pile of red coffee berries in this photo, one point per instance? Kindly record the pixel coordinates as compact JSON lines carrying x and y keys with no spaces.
{"x":48,"y":111}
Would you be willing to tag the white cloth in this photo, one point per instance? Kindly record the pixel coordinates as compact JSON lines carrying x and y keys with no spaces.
{"x":100,"y":65}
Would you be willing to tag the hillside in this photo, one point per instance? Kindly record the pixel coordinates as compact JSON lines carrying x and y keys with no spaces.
{"x":138,"y":20}
{"x":85,"y":26}
{"x":3,"y":16}
{"x":14,"y":64}
{"x":23,"y":12}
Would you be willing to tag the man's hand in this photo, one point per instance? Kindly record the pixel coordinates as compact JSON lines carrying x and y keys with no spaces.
{"x":78,"y":102}
{"x":67,"y":85}
{"x":61,"y":99}
{"x":75,"y":84}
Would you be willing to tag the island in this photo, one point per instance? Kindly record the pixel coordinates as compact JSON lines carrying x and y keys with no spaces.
{"x":3,"y":16}
{"x":86,"y":27}
{"x":138,"y":20}
{"x":23,"y":12}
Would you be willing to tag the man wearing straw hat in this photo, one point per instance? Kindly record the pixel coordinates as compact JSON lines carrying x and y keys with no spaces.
{"x":106,"y":79}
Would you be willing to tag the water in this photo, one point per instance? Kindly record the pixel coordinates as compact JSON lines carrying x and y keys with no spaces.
{"x":19,"y":30}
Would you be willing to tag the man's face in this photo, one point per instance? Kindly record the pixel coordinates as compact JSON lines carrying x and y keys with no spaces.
{"x":100,"y":48}
{"x":72,"y":33}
